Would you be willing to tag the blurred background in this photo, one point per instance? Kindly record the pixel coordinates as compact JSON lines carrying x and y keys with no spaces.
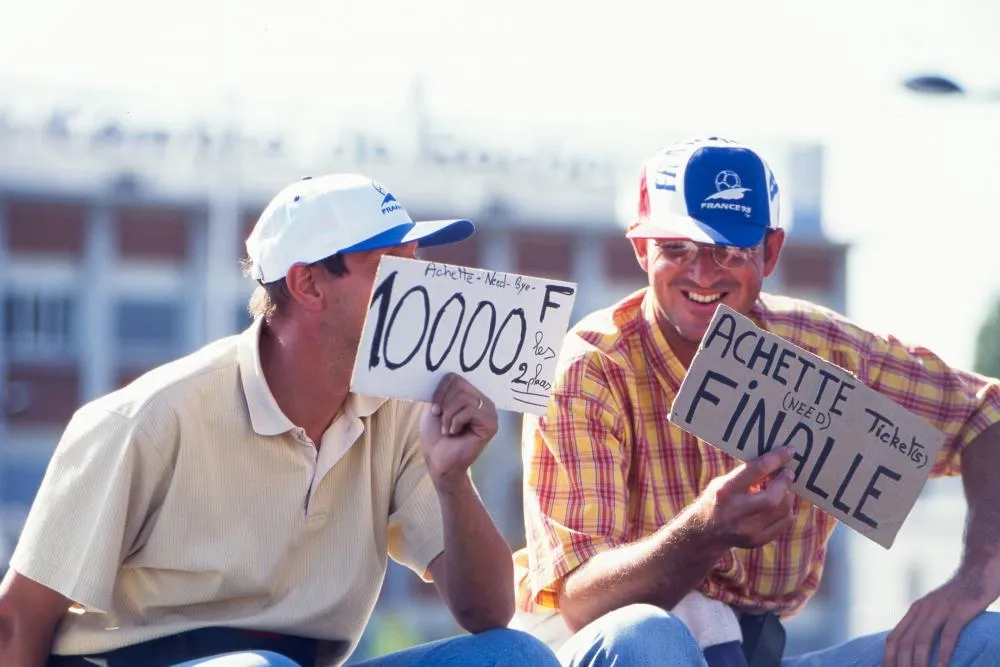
{"x":139,"y":142}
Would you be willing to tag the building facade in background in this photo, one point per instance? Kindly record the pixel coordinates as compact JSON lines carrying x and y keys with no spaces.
{"x":120,"y":246}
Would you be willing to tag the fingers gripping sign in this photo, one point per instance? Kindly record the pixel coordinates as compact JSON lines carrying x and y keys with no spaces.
{"x":455,"y":428}
{"x":752,"y":505}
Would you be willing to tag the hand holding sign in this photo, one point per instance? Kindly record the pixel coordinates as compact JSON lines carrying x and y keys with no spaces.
{"x":858,"y":456}
{"x":750,"y":506}
{"x":455,"y":429}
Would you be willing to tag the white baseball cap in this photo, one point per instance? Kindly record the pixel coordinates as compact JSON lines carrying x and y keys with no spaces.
{"x":338,"y":213}
{"x":709,"y":190}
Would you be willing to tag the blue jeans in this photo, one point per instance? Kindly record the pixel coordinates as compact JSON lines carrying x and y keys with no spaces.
{"x":642,"y":634}
{"x":494,"y":648}
{"x":242,"y":659}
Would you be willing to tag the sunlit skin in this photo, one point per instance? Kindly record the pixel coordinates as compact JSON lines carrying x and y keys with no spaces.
{"x":325,"y":333}
{"x":344,"y":319}
{"x":682,"y":320}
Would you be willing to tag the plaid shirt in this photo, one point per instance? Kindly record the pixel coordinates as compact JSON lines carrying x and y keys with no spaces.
{"x":604,"y":467}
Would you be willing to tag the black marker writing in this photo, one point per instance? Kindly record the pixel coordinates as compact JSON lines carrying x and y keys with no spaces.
{"x":752,"y":424}
{"x":547,"y":302}
{"x":771,"y":356}
{"x":542,"y":350}
{"x":479,"y":337}
{"x":886,"y":431}
{"x":459,"y":273}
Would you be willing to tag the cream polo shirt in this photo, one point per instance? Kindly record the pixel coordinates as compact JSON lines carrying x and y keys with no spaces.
{"x":188,"y":499}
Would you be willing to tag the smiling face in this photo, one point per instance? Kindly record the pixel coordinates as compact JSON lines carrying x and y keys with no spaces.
{"x":688,"y":286}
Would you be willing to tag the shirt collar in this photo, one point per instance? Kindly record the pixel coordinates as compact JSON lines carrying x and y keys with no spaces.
{"x":659,"y":351}
{"x":665,"y":363}
{"x":364,"y":406}
{"x":265,"y":416}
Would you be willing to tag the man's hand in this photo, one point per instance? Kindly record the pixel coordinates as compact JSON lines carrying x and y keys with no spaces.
{"x":750,"y":506}
{"x":455,"y":429}
{"x":947,"y":610}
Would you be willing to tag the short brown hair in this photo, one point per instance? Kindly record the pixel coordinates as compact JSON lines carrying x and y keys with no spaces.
{"x":270,"y":299}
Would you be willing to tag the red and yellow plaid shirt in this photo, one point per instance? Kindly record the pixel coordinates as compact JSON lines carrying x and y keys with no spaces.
{"x":604,"y":467}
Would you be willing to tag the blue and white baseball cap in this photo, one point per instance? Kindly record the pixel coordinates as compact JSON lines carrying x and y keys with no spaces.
{"x":707,"y":190}
{"x":338,"y":213}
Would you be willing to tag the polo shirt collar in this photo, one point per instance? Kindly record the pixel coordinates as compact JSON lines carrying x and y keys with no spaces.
{"x":266,"y":417}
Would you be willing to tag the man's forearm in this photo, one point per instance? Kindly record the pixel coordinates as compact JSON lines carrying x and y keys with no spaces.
{"x":478,"y":569}
{"x":19,"y":649}
{"x":29,"y":616}
{"x":980,"y":471}
{"x":660,"y":570}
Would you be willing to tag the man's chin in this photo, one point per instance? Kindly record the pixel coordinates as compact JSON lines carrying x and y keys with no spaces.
{"x":693,"y":330}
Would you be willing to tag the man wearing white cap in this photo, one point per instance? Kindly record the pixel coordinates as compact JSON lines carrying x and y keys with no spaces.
{"x":243,"y":501}
{"x":629,"y":517}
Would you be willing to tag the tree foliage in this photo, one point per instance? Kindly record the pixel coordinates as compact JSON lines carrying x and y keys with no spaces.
{"x":987,"y":360}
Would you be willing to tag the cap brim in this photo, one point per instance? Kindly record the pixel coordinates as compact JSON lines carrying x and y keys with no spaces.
{"x":439,"y":232}
{"x":734,"y":234}
{"x":430,"y":233}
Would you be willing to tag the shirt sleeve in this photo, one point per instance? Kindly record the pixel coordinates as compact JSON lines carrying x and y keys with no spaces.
{"x":577,"y":461}
{"x":416,"y":533}
{"x":960,"y":404}
{"x":89,"y":513}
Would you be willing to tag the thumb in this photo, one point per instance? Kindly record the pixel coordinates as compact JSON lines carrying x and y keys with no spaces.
{"x":430,"y":424}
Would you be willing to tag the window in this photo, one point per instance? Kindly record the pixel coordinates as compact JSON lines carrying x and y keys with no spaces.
{"x":46,"y":227}
{"x":153,"y":233}
{"x":810,"y":267}
{"x":544,"y":254}
{"x":40,"y":326}
{"x":620,"y":264}
{"x":148,"y":329}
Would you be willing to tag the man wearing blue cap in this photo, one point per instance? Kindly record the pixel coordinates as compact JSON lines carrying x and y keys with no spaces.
{"x":242,"y":501}
{"x":655,"y":547}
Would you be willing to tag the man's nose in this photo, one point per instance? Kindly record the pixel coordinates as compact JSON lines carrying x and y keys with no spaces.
{"x":703,"y":267}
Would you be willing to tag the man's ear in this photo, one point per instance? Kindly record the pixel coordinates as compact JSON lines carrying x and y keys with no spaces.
{"x":303,"y":288}
{"x":641,"y":248}
{"x":773,"y":242}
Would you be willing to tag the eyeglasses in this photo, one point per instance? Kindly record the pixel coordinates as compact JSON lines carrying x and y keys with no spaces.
{"x":726,"y":256}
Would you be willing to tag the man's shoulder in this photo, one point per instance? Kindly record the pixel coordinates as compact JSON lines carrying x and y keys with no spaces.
{"x":601,"y":345}
{"x":189,"y":382}
{"x":809,"y":325}
{"x":610,"y":332}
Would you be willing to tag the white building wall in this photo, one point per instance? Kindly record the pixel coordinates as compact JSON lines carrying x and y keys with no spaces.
{"x":926,"y":554}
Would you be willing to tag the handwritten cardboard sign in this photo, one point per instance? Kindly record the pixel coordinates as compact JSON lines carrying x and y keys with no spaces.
{"x":859,"y":456}
{"x":500,"y":331}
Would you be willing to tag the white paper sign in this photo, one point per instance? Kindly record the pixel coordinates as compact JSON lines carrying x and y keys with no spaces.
{"x":500,"y":331}
{"x":859,"y":456}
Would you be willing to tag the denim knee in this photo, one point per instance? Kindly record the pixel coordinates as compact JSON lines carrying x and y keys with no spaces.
{"x":243,"y":659}
{"x":979,"y":639}
{"x":639,"y":634}
{"x":514,"y":647}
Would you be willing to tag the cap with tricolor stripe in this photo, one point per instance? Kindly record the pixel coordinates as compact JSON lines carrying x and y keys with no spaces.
{"x":709,"y":190}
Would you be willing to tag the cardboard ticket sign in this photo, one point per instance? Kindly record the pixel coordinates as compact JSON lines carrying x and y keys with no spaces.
{"x":501,"y":331}
{"x":859,"y":456}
